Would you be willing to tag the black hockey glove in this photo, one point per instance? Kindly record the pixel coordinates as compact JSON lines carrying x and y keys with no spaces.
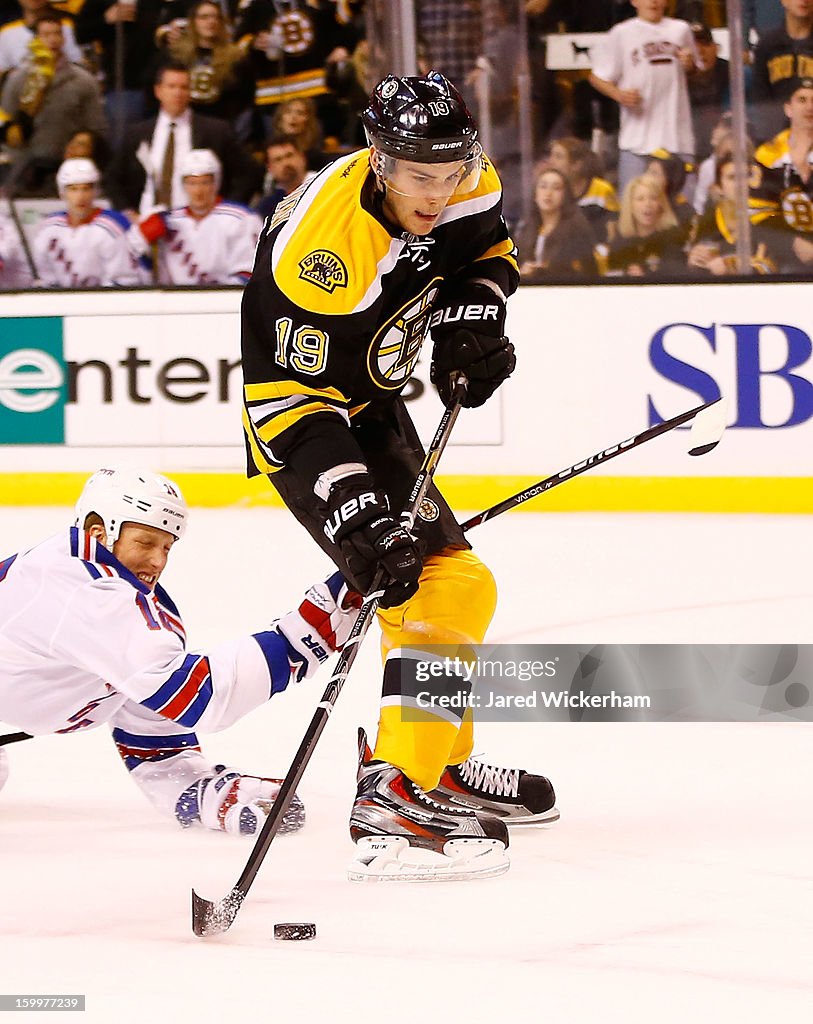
{"x":360,"y":524}
{"x":468,"y":337}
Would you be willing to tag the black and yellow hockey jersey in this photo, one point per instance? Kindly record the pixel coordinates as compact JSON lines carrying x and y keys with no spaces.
{"x":780,"y":188}
{"x":303,"y":34}
{"x":339,"y":304}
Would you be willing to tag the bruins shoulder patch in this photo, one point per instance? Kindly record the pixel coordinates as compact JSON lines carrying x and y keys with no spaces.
{"x":428,"y":511}
{"x":324,"y":269}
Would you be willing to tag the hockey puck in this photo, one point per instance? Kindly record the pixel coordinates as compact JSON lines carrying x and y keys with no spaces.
{"x":295,"y":930}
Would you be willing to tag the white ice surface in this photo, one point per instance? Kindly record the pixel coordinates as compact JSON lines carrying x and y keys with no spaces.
{"x":676,"y":887}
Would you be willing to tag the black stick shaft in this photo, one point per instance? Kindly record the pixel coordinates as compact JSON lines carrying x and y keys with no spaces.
{"x":543,"y":486}
{"x":346,"y":659}
{"x":14,"y":737}
{"x":18,"y":227}
{"x":9,"y":190}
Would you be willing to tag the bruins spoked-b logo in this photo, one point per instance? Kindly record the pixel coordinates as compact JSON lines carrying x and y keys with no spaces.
{"x":396,"y":346}
{"x":292,"y":31}
{"x":428,"y":510}
{"x":797,"y":209}
{"x":324,"y":269}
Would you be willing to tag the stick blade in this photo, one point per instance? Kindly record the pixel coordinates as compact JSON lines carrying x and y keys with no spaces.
{"x":707,"y":428}
{"x":210,"y":918}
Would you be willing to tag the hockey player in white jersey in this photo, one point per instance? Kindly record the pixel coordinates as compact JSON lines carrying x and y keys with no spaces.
{"x":14,"y":269}
{"x":84,"y":246}
{"x":209,"y":241}
{"x":88,"y":636}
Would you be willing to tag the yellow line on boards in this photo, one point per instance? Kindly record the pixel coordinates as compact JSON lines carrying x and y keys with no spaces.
{"x":474,"y":493}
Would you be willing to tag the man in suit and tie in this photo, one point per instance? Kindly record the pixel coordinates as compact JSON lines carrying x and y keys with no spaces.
{"x":145,"y":171}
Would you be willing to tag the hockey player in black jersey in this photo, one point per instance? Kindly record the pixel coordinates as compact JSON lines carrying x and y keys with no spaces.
{"x":351,"y":272}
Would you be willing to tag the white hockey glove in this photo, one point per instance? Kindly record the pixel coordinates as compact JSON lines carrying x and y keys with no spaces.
{"x":235,"y":803}
{"x":321,"y":624}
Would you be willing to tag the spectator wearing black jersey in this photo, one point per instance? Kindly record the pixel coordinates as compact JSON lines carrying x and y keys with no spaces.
{"x":220,"y":78}
{"x":110,"y":24}
{"x":650,"y":241}
{"x":783,"y":56}
{"x":713,"y":240}
{"x":785,"y":186}
{"x":708,"y":89}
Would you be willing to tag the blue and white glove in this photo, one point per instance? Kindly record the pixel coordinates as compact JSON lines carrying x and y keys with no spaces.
{"x":235,"y":803}
{"x":321,"y":624}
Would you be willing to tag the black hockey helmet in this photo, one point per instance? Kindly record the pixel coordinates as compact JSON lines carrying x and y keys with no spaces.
{"x":421,"y":119}
{"x":424,"y":121}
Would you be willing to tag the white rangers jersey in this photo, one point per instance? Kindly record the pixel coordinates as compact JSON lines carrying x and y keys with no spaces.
{"x":14,"y":269}
{"x":15,"y":37}
{"x":215,"y":249}
{"x":89,"y":255}
{"x":83,"y":642}
{"x":638,"y":54}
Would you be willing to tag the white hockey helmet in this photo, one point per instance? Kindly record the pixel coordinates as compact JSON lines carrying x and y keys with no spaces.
{"x":121,"y":496}
{"x":76,"y":171}
{"x":201,"y":161}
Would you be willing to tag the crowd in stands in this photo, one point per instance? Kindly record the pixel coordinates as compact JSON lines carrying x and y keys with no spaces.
{"x":643,"y":144}
{"x":169,"y":129}
{"x":162,"y":126}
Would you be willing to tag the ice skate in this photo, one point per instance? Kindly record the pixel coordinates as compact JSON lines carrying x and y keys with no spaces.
{"x":514,"y":795}
{"x":403,"y":834}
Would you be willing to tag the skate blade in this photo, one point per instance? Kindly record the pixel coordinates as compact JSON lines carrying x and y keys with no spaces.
{"x":548,"y":817}
{"x":391,"y":858}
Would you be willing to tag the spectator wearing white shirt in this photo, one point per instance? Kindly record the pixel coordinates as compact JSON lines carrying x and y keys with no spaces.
{"x":642,"y":65}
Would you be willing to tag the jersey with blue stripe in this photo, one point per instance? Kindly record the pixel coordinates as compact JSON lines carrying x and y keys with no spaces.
{"x":88,"y":255}
{"x":80,"y":636}
{"x":215,"y":249}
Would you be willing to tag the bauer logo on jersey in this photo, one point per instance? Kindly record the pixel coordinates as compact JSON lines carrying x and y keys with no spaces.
{"x":396,"y":346}
{"x":428,"y":510}
{"x":324,"y":269}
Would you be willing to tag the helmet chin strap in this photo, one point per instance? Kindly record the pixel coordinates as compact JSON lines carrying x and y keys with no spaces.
{"x":375,"y":163}
{"x":380,"y":184}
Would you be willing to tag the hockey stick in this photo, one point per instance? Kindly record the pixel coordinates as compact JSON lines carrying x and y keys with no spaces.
{"x":210,"y":918}
{"x":707,"y":429}
{"x":14,"y":737}
{"x":8,"y":190}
